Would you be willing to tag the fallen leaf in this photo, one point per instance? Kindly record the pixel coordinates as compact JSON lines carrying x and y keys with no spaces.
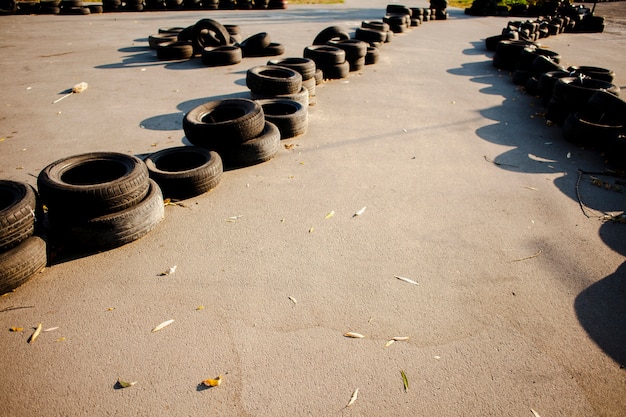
{"x":289,"y":145}
{"x":531,"y":188}
{"x":358,"y":213}
{"x":410,"y":281}
{"x":35,"y":334}
{"x":389,"y":343}
{"x":200,"y":308}
{"x":354,"y":335}
{"x":126,"y":384}
{"x":50,"y":329}
{"x":400,"y":338}
{"x":293,"y":300}
{"x":311,"y":230}
{"x":405,"y":381}
{"x":536,"y":414}
{"x":110,"y":309}
{"x":162,"y":325}
{"x":169,"y":271}
{"x":329,"y":215}
{"x":353,"y":398}
{"x":16,"y":329}
{"x":60,"y":339}
{"x":213,"y":382}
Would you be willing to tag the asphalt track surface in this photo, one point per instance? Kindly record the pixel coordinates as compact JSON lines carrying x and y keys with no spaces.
{"x":520,"y":302}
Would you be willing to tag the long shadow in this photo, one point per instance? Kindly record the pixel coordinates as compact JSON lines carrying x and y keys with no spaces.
{"x":538,"y":147}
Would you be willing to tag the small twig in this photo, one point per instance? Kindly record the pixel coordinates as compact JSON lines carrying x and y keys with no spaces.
{"x":528,"y":257}
{"x":500,"y":164}
{"x":4,"y":310}
{"x":580,"y":201}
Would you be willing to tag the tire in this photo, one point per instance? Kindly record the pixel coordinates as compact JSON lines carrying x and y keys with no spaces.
{"x":95,"y":9}
{"x":290,"y":117}
{"x":269,"y":79}
{"x":185,"y":171}
{"x":223,"y":123}
{"x":274,"y":49}
{"x":119,"y":228}
{"x":255,"y":43}
{"x":356,"y":65}
{"x":18,"y":213}
{"x":372,"y":56}
{"x":260,"y":149}
{"x":310,"y":86}
{"x":301,"y":96}
{"x":354,"y":48}
{"x":329,"y":34}
{"x":235,"y":32}
{"x":208,"y":32}
{"x":336,"y":71}
{"x":570,"y":94}
{"x":8,"y":7}
{"x":319,"y":77}
{"x":174,"y":31}
{"x":49,"y":10}
{"x":369,"y":24}
{"x":543,"y":64}
{"x":325,"y":55}
{"x":580,"y":130}
{"x":19,"y":264}
{"x":606,"y":106}
{"x":157,"y":39}
{"x":597,"y":73}
{"x":92,"y":184}
{"x":174,"y":51}
{"x":370,"y":35}
{"x":398,"y":9}
{"x":546,"y":84}
{"x":508,"y":53}
{"x":221,"y":55}
{"x":532,"y":86}
{"x":305,"y":66}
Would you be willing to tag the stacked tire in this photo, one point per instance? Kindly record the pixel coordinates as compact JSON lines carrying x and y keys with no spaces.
{"x":101,"y":200}
{"x":307,"y":70}
{"x":22,"y":253}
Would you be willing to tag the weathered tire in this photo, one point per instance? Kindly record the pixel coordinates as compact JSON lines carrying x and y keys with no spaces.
{"x":546,"y":83}
{"x":255,"y":43}
{"x":570,"y":94}
{"x":579,"y":129}
{"x":18,"y":213}
{"x":208,"y":32}
{"x":370,"y":24}
{"x":354,"y":48}
{"x":221,"y":55}
{"x":19,"y":264}
{"x":273,"y":49}
{"x":92,"y":184}
{"x":319,"y":77}
{"x":325,"y":55}
{"x":185,"y":171}
{"x":372,"y":56}
{"x":174,"y":51}
{"x":508,"y":53}
{"x":605,"y":106}
{"x":301,"y":96}
{"x":597,"y":73}
{"x":223,"y":123}
{"x":260,"y":149}
{"x":336,"y":71}
{"x":119,"y":228}
{"x":274,"y":80}
{"x":290,"y":117}
{"x":331,"y":33}
{"x":305,"y":66}
{"x":159,"y":38}
{"x":370,"y":35}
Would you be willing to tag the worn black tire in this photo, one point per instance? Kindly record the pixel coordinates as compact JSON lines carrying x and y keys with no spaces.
{"x":159,"y":38}
{"x":260,"y":149}
{"x":92,"y":184}
{"x":597,"y":73}
{"x":273,"y":49}
{"x":19,"y":212}
{"x":223,"y":123}
{"x":8,"y":7}
{"x":255,"y":43}
{"x":354,"y":48}
{"x":508,"y":53}
{"x":119,"y":228}
{"x":370,"y":35}
{"x":290,"y":117}
{"x":274,"y":80}
{"x":325,"y":55}
{"x":372,"y":56}
{"x":19,"y":264}
{"x":301,"y":96}
{"x":605,"y":106}
{"x":331,"y":33}
{"x":579,"y":129}
{"x":546,"y":84}
{"x":376,"y":25}
{"x":305,"y":66}
{"x":208,"y":32}
{"x":336,"y":71}
{"x":173,"y":30}
{"x":221,"y":55}
{"x":319,"y":77}
{"x":174,"y":51}
{"x":542,"y":64}
{"x":185,"y":171}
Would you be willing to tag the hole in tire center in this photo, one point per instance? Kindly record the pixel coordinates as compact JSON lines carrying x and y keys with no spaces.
{"x":180,"y":161}
{"x":94,"y":172}
{"x":7,"y":199}
{"x":222,"y":114}
{"x":275,"y":73}
{"x":278,"y":109}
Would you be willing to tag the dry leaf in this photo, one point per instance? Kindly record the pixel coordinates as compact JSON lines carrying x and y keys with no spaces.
{"x":289,"y":145}
{"x":358,"y":213}
{"x":110,"y":309}
{"x":16,"y":329}
{"x":400,"y":338}
{"x":293,"y":300}
{"x":536,"y":414}
{"x":50,"y":329}
{"x":35,"y":334}
{"x":162,"y":325}
{"x":169,"y":271}
{"x":311,"y":230}
{"x":410,"y":281}
{"x":329,"y":215}
{"x":389,"y":343}
{"x":213,"y":382}
{"x":354,"y":335}
{"x":200,"y":308}
{"x":405,"y":381}
{"x":125,"y":384}
{"x":355,"y":394}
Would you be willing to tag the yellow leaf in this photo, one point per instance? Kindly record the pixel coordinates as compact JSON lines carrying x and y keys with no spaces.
{"x":405,"y":381}
{"x":355,"y":394}
{"x":400,"y":338}
{"x":389,"y":343}
{"x":354,"y":335}
{"x":213,"y":382}
{"x":200,"y":308}
{"x":35,"y":334}
{"x":329,"y":215}
{"x":126,"y":384}
{"x":162,"y":325}
{"x":16,"y":329}
{"x":60,"y":339}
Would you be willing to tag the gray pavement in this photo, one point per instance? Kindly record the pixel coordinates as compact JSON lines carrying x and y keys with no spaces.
{"x":520,"y":296}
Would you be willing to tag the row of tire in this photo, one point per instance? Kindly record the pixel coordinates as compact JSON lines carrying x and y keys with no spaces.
{"x":581,"y":99}
{"x":77,"y":7}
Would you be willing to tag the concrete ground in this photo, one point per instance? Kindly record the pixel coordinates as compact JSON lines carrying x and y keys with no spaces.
{"x":520,"y":302}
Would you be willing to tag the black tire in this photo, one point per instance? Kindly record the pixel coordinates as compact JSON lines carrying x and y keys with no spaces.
{"x":329,"y":34}
{"x":597,"y":73}
{"x":356,"y":65}
{"x":19,"y":264}
{"x":369,"y":24}
{"x":221,"y":55}
{"x":301,"y":96}
{"x":319,"y":77}
{"x":185,"y":171}
{"x":175,"y":30}
{"x":174,"y":51}
{"x":336,"y":71}
{"x":372,"y":56}
{"x":542,"y":64}
{"x":274,"y":49}
{"x":235,"y":33}
{"x":370,"y":35}
{"x":95,"y":9}
{"x":225,"y":123}
{"x":260,"y":149}
{"x":354,"y":48}
{"x":92,"y":184}
{"x":582,"y":131}
{"x":491,"y":43}
{"x":274,"y":80}
{"x":8,"y":7}
{"x":18,"y":213}
{"x":605,"y":106}
{"x":570,"y":94}
{"x":119,"y":228}
{"x":325,"y":55}
{"x":255,"y":43}
{"x":49,"y":10}
{"x":310,"y":86}
{"x":290,"y":117}
{"x":305,"y":66}
{"x":508,"y":53}
{"x":398,"y":9}
{"x":157,"y":39}
{"x":546,"y":83}
{"x":208,"y":32}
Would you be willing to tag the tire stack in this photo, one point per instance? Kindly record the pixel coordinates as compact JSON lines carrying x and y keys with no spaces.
{"x":439,"y":9}
{"x":260,"y":45}
{"x":74,"y":7}
{"x":22,"y":253}
{"x":101,"y":200}
{"x":307,"y":69}
{"x":234,"y":128}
